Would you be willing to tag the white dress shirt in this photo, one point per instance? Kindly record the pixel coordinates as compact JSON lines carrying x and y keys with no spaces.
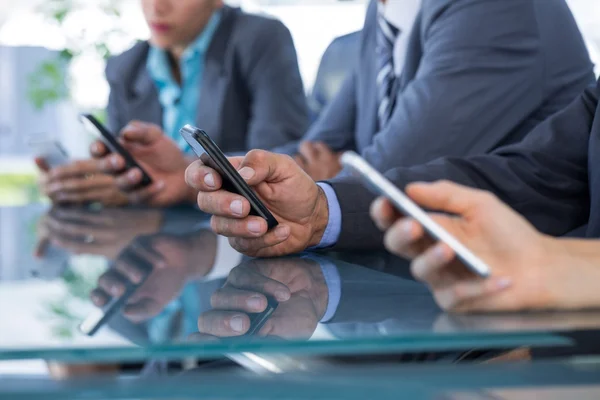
{"x":402,"y":14}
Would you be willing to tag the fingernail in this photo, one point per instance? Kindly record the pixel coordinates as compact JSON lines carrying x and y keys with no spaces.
{"x":237,"y":208}
{"x":503,"y":283}
{"x":282,"y":232}
{"x":407,"y":228}
{"x":255,"y":303}
{"x":114,"y":162}
{"x":282,"y":295}
{"x":114,"y":290}
{"x":209,"y":180}
{"x":439,"y":252}
{"x":246,"y":172}
{"x":131,"y":175}
{"x":237,"y":324}
{"x":161,"y":185}
{"x":255,"y":227}
{"x":54,"y":187}
{"x":95,"y":148}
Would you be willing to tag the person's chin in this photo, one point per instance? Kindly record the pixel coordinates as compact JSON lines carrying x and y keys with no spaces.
{"x":161,"y":42}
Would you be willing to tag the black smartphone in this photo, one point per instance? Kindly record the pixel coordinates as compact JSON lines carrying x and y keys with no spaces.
{"x":99,"y":317}
{"x":258,"y":320}
{"x":96,"y":128}
{"x":211,"y":155}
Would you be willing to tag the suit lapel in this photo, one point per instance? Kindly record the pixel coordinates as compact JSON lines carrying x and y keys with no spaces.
{"x":366,"y":82}
{"x":215,"y":77}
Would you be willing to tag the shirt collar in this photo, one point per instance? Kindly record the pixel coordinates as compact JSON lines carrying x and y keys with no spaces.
{"x":400,"y":13}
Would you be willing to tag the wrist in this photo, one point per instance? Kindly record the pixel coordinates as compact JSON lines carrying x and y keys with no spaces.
{"x":320,"y":219}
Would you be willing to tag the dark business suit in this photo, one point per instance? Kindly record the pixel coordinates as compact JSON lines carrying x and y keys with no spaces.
{"x":251,"y":92}
{"x":552,"y":177}
{"x":477,"y":75}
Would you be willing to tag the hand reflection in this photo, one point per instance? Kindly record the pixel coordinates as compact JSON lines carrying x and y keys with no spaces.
{"x":297,"y":284}
{"x":104,"y":233}
{"x":173,"y":261}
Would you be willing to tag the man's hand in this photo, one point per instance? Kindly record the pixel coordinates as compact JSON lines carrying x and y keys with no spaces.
{"x":294,"y":199}
{"x":162,"y":160}
{"x":81,"y":182}
{"x":296,"y":283}
{"x":318,"y":161}
{"x":514,"y":250}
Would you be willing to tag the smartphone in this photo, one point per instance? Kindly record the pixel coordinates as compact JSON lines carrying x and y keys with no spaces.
{"x":381,"y":185}
{"x":211,"y":155}
{"x":93,"y":126}
{"x":51,"y":151}
{"x":101,"y":316}
{"x":258,"y":320}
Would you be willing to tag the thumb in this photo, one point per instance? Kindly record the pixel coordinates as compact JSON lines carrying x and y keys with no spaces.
{"x":42,"y":164}
{"x":141,"y":133}
{"x":445,"y":196}
{"x":263,"y":166}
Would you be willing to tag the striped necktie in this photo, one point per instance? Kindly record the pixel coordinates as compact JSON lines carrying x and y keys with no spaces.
{"x":386,"y":38}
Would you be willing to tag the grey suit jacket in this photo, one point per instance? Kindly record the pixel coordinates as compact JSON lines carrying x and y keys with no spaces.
{"x":251,"y":92}
{"x":552,"y":177}
{"x":478,"y":74}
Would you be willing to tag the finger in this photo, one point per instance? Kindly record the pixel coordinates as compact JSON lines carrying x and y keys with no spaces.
{"x":309,"y":152}
{"x":81,"y":197}
{"x":263,"y":166}
{"x":447,"y":196}
{"x":429,"y":265}
{"x":322,"y":149}
{"x":80,"y":185}
{"x":383,"y":213}
{"x":265,"y":246}
{"x":99,"y":297}
{"x":145,"y":194}
{"x":142,"y":310}
{"x":472,"y":294}
{"x":204,"y":178}
{"x":223,"y":203}
{"x":140,"y":133}
{"x":73,"y":245}
{"x":251,"y":227}
{"x":75,"y":169}
{"x":229,"y":298}
{"x":129,"y":180}
{"x":250,"y":280}
{"x":406,"y":238}
{"x":84,"y":216}
{"x":112,"y":163}
{"x":74,"y":230}
{"x":113,"y":283}
{"x":42,"y":164}
{"x":98,"y":149}
{"x":223,"y":323}
{"x":129,"y":269}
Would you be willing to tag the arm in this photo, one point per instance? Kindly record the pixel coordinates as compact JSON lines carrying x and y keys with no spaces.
{"x":115,"y":119}
{"x":544,"y":177}
{"x":481,"y":74}
{"x":279,"y":111}
{"x":336,"y":124}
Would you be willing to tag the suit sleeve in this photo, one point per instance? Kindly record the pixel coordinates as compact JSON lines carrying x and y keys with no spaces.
{"x":544,"y":177}
{"x":480,"y":75}
{"x":336,"y":124}
{"x":114,"y":118}
{"x":279,"y":113}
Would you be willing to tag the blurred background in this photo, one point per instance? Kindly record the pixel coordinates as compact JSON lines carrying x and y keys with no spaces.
{"x":52,"y":55}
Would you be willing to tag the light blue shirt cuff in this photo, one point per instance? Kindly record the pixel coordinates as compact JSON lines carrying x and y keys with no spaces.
{"x":334,"y":286}
{"x":334,"y":223}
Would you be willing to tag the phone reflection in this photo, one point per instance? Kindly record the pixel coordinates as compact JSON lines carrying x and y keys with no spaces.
{"x":156,"y":288}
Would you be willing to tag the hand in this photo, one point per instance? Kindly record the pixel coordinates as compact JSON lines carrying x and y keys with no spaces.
{"x":297,"y":284}
{"x":82,"y":231}
{"x":514,"y":250}
{"x":293,"y":198}
{"x":161,"y":159}
{"x":80,"y":182}
{"x":318,"y":161}
{"x":168,"y":262}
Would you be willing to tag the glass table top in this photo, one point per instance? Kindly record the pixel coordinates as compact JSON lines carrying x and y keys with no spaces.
{"x":85,"y":284}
